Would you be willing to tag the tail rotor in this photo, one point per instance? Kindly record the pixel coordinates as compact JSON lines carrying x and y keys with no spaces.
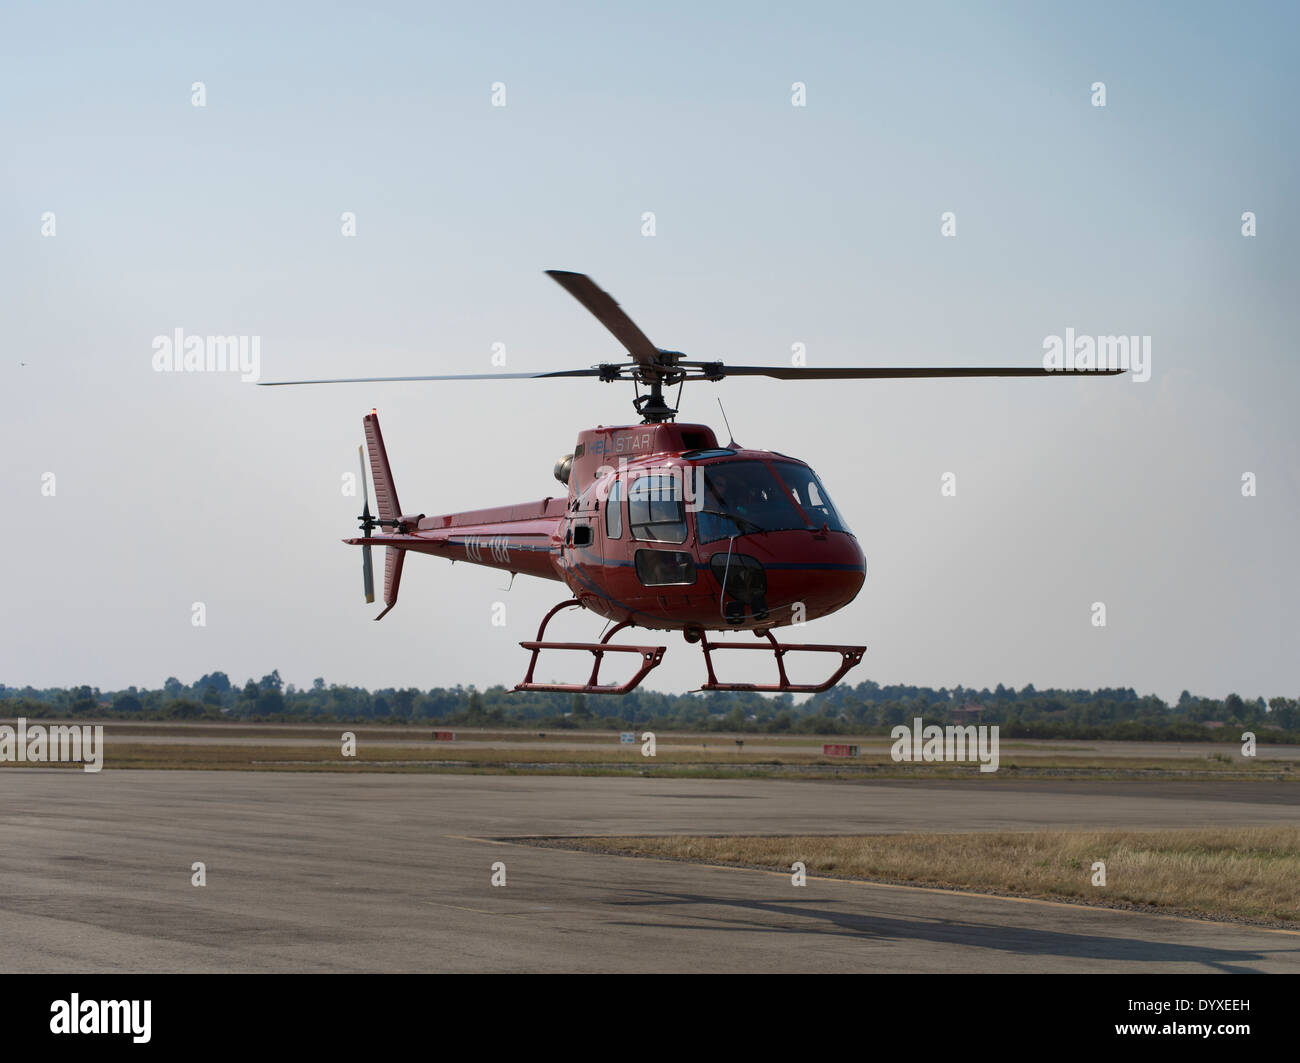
{"x":367,"y":526}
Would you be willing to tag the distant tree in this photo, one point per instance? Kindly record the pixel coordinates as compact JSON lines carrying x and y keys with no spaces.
{"x":1285,"y":712}
{"x":270,"y":701}
{"x":82,"y":700}
{"x":404,"y":702}
{"x":474,"y":712}
{"x":246,"y":703}
{"x":218,"y":681}
{"x":1234,"y":708}
{"x":127,"y":702}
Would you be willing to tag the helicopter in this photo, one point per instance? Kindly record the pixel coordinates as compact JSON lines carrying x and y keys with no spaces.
{"x":660,"y":526}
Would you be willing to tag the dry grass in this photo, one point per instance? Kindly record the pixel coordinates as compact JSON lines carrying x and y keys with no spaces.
{"x":251,"y":756}
{"x":1247,"y":874}
{"x":298,"y":748}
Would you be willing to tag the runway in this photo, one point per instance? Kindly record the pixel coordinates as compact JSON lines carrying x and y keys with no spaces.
{"x":372,"y":872}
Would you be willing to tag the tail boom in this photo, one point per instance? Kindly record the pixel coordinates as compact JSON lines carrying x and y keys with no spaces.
{"x":521,"y":538}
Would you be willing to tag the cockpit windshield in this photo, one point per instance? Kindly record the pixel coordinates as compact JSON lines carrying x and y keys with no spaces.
{"x":743,"y":497}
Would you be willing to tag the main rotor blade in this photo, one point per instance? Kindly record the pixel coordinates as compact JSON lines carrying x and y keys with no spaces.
{"x":789,"y":372}
{"x":605,"y":310}
{"x":454,"y":376}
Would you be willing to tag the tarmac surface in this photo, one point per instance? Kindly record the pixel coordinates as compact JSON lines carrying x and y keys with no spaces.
{"x":375,"y":872}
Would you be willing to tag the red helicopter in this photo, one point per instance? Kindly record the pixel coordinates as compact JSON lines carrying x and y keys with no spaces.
{"x":661,"y":527}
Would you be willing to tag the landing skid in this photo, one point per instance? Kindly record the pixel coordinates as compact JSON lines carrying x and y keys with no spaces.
{"x":650,"y":658}
{"x":850,"y":656}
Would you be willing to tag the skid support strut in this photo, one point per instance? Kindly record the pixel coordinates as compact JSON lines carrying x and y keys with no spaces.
{"x":650,"y":658}
{"x":849,"y":657}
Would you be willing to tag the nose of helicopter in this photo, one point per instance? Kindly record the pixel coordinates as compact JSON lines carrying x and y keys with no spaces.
{"x":802,"y":575}
{"x":833,"y":573}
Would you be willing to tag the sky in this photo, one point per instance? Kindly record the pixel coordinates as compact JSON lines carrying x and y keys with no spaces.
{"x":129,"y":212}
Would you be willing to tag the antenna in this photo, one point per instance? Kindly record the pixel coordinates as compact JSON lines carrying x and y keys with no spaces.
{"x":732,"y":443}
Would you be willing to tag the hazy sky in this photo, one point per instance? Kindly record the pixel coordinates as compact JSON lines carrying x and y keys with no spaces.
{"x":775,"y":225}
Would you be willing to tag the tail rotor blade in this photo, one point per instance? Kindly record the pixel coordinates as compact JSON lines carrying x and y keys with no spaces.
{"x":367,"y":574}
{"x":367,"y":564}
{"x":365,"y":491}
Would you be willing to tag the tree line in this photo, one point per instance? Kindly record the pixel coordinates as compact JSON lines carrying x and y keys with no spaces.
{"x":867,"y":707}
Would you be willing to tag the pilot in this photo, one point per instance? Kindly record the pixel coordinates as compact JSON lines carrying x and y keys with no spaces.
{"x":725,"y":495}
{"x":719,"y":490}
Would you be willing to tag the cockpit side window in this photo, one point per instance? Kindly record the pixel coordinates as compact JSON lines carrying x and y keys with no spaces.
{"x":655,"y":509}
{"x":808,"y":491}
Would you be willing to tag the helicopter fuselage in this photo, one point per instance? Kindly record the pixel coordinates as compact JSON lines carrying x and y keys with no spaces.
{"x":664,"y":528}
